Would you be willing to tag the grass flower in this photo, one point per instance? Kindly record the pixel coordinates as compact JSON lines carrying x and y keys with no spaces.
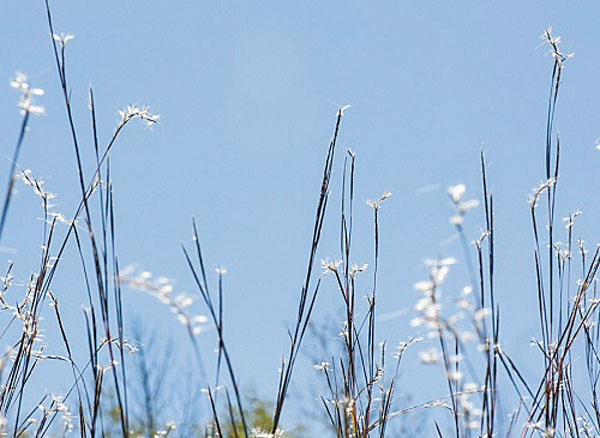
{"x":456,"y":193}
{"x":131,"y":112}
{"x":26,"y":102}
{"x":62,"y":38}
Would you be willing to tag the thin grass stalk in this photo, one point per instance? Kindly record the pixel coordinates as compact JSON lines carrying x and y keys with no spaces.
{"x":11,"y":175}
{"x":304,"y":312}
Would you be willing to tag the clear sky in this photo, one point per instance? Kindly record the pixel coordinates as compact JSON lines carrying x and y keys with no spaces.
{"x":247,"y":93}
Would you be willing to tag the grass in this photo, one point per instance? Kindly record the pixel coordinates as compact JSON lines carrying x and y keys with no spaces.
{"x":361,"y":388}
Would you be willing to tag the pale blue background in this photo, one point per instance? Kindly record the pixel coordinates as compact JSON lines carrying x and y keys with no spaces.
{"x":248,"y":91}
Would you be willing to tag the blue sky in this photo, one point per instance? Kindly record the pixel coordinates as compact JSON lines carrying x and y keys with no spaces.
{"x":247,"y":93}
